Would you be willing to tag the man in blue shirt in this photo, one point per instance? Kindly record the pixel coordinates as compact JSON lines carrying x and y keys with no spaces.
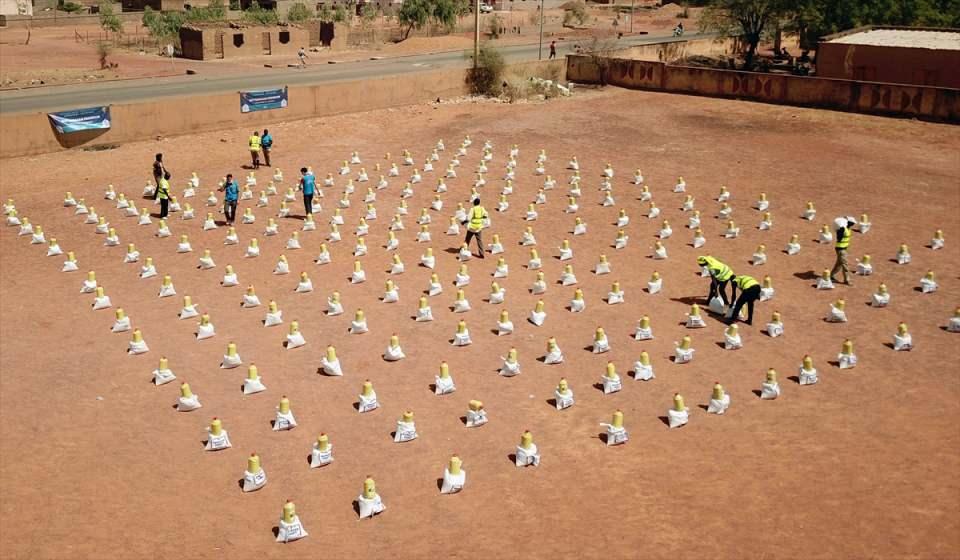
{"x":230,"y":199}
{"x":266,"y":144}
{"x":308,"y":185}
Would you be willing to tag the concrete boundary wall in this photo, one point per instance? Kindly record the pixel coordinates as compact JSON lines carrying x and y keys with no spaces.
{"x":31,"y":133}
{"x":923,"y":102}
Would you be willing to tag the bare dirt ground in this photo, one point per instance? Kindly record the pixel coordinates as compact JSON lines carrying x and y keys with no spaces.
{"x":55,"y":56}
{"x":97,"y":463}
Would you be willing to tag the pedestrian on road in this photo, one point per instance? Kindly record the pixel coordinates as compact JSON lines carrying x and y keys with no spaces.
{"x":266,"y":142}
{"x":478,"y":214}
{"x":158,"y":170}
{"x":842,"y":244}
{"x":232,"y":191}
{"x":308,"y":186}
{"x":163,"y":193}
{"x":553,"y":50}
{"x":750,"y":292}
{"x":254,"y":143}
{"x":302,"y":55}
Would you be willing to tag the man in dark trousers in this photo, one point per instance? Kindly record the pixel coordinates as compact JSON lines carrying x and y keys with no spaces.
{"x":308,"y":186}
{"x":553,"y":50}
{"x":749,"y":293}
{"x":230,"y":198}
{"x":475,"y":225}
{"x":158,"y":171}
{"x":163,"y":193}
{"x":266,"y":144}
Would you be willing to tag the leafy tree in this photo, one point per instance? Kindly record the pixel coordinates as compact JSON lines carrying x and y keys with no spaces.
{"x":445,"y":13}
{"x":747,"y":19}
{"x":325,"y":14}
{"x":813,"y":19}
{"x":414,"y":14}
{"x":339,"y":13}
{"x":260,"y":16}
{"x":109,"y":20}
{"x":299,"y":12}
{"x":368,"y":13}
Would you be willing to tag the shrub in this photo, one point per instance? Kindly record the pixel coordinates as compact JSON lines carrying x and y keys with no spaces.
{"x":486,"y":77}
{"x":339,"y":14}
{"x":71,"y":7}
{"x":299,"y":12}
{"x":256,"y":14}
{"x":103,"y":50}
{"x":576,"y":12}
{"x":495,"y":24}
{"x":325,"y":14}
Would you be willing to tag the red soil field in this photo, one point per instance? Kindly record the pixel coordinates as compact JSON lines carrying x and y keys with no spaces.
{"x":96,"y":462}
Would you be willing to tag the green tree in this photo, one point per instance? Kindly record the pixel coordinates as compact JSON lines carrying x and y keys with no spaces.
{"x":414,"y":14}
{"x":368,"y":14}
{"x":339,"y":13}
{"x":260,"y":16}
{"x":299,"y":12}
{"x":813,"y":19}
{"x":746,"y":19}
{"x":325,"y":14}
{"x":445,"y":13}
{"x":109,"y":20}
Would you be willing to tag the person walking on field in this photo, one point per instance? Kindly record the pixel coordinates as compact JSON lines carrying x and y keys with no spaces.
{"x":302,"y":55}
{"x":749,"y":293}
{"x":308,"y":185}
{"x":232,"y":191}
{"x":842,"y":244}
{"x":254,"y":143}
{"x":163,"y":193}
{"x":475,"y":220}
{"x":553,"y":50}
{"x":266,"y":143}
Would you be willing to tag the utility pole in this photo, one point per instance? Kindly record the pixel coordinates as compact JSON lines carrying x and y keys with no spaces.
{"x":631,"y":17}
{"x":476,"y":33}
{"x":540,"y":52}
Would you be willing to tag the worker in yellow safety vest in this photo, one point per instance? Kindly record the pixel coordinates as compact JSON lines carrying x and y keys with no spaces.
{"x":475,"y":221}
{"x":844,"y":233}
{"x":254,"y":143}
{"x":749,"y":293}
{"x":720,"y":275}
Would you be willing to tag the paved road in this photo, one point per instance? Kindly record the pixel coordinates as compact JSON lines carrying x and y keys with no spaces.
{"x":53,"y":98}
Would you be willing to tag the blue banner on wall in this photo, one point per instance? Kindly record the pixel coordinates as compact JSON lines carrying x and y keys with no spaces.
{"x":263,"y":100}
{"x":81,"y":119}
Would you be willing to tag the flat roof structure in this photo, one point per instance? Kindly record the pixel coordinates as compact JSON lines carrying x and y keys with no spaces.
{"x":923,"y":56}
{"x":909,"y":38}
